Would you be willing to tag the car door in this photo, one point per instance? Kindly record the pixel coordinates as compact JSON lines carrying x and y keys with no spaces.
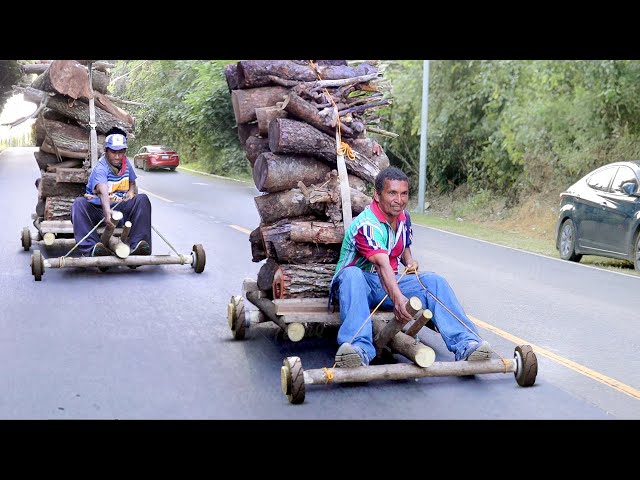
{"x":590,"y":214}
{"x":619,"y":213}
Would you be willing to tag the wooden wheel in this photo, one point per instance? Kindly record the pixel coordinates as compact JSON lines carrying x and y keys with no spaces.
{"x":292,"y":380}
{"x":236,"y":317}
{"x":37,"y":265}
{"x":26,"y":238}
{"x":199,"y":258}
{"x":527,"y":365}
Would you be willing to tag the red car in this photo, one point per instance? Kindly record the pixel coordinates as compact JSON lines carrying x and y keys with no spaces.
{"x":156,"y":156}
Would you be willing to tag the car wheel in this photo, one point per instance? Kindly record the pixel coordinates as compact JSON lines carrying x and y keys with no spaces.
{"x":635,"y":251}
{"x":173,"y":169}
{"x":568,"y":241}
{"x":144,"y":166}
{"x":135,"y":164}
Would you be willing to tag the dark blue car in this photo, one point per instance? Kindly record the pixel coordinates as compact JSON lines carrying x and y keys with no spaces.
{"x":600,"y":214}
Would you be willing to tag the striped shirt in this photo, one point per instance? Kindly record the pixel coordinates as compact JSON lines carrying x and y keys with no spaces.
{"x":369,"y":234}
{"x":118,"y":185}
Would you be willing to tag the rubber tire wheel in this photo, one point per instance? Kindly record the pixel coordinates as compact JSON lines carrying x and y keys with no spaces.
{"x":527,"y":365}
{"x":37,"y":265}
{"x":635,"y":252}
{"x":26,"y":239}
{"x":144,"y":166}
{"x":236,"y":318}
{"x":200,"y":258}
{"x":173,"y":169}
{"x":567,"y":242}
{"x":293,"y":380}
{"x":103,"y":269}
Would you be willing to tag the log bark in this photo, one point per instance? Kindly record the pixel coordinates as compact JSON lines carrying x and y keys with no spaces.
{"x":264,"y":115}
{"x":317,"y":232}
{"x":278,"y":245}
{"x":58,"y":208}
{"x":259,"y":73}
{"x":48,"y":187}
{"x":254,"y":146}
{"x":103,"y":102}
{"x":287,"y":204}
{"x":328,"y":194}
{"x":68,"y":77}
{"x":416,"y":351}
{"x":307,"y":112}
{"x":293,"y":137}
{"x":77,"y":110}
{"x":72,"y":175}
{"x":247,"y":130}
{"x":45,"y":160}
{"x":258,"y":252}
{"x":245,"y":102}
{"x":413,"y":306}
{"x":302,"y":281}
{"x":275,"y":173}
{"x":73,"y":163}
{"x":231,"y":75}
{"x":266,"y":274}
{"x":70,"y":140}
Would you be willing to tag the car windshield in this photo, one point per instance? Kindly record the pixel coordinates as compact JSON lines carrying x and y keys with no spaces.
{"x":159,"y":148}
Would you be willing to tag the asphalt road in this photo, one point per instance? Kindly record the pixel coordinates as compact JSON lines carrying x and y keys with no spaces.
{"x":154,"y":343}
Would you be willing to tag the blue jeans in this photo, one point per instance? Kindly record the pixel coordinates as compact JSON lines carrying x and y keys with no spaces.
{"x":85,"y":215}
{"x":359,"y":292}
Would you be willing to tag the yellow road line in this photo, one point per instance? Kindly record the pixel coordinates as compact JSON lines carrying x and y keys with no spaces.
{"x":243,"y":230}
{"x":610,"y":382}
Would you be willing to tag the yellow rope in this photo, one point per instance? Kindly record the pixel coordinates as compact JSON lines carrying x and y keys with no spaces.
{"x":328,"y":373}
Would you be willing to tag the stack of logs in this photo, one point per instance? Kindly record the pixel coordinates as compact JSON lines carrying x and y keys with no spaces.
{"x":287,"y":113}
{"x":62,"y":132}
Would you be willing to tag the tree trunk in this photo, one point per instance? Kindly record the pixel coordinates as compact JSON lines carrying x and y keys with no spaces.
{"x":58,"y":208}
{"x":245,"y":102}
{"x":317,"y":232}
{"x":74,"y":163}
{"x":258,"y":252}
{"x":103,"y":102}
{"x":45,"y":160}
{"x":292,"y":137}
{"x":254,"y":146}
{"x":247,"y":130}
{"x":275,"y":173}
{"x":278,"y":245}
{"x":302,"y":281}
{"x":266,"y":274}
{"x":77,"y":110}
{"x":72,"y":175}
{"x":231,"y":75}
{"x":48,"y":187}
{"x":265,"y":115}
{"x":287,"y":204}
{"x":307,"y":112}
{"x":68,"y":77}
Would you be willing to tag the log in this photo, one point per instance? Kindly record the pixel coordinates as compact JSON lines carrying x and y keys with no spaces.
{"x":267,"y":307}
{"x":275,"y":173}
{"x":266,"y":274}
{"x":413,"y":306}
{"x":72,"y":163}
{"x":72,"y":175}
{"x":307,"y":112}
{"x":103,"y":102}
{"x":247,"y":130}
{"x":259,"y":73}
{"x":245,"y":102}
{"x":48,"y":187}
{"x":264,"y":115}
{"x":278,"y":245}
{"x":66,"y":140}
{"x":329,"y":195}
{"x":420,"y":322}
{"x":58,"y":208}
{"x":77,"y":110}
{"x":293,"y":137}
{"x":317,"y":232}
{"x":231,"y":75}
{"x":254,"y":146}
{"x":258,"y":252}
{"x":287,"y":204}
{"x":416,"y":351}
{"x":68,"y":77}
{"x":309,"y":280}
{"x":45,"y":160}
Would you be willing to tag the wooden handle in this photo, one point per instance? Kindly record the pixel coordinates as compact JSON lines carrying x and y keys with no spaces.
{"x":413,"y":306}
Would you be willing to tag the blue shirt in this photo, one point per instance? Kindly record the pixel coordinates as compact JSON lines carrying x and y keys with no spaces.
{"x":117,"y":185}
